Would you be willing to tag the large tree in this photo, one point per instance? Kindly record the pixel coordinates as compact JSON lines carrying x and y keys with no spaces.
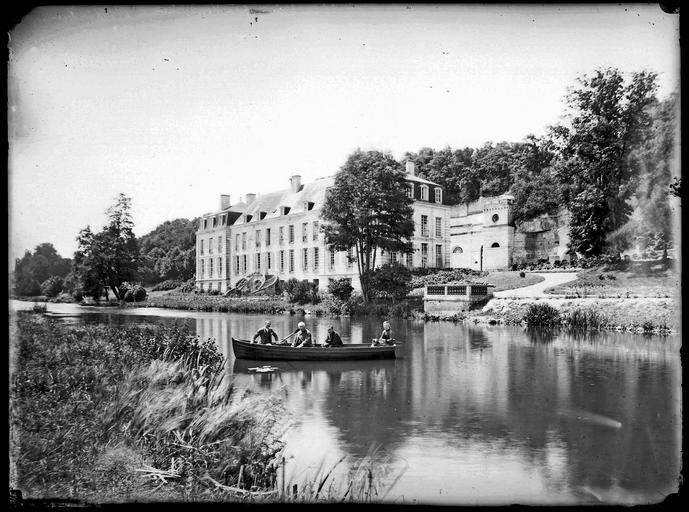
{"x":32,"y":270}
{"x":606,"y":119}
{"x":368,"y":209}
{"x":107,"y":259}
{"x":169,"y":251}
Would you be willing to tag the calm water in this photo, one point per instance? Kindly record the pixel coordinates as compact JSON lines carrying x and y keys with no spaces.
{"x":470,"y":414}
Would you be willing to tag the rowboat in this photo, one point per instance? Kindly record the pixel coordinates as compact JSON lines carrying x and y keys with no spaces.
{"x":244,"y":349}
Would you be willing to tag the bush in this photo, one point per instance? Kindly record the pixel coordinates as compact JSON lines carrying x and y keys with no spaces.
{"x":169,"y":284}
{"x":139,"y":293}
{"x":341,"y":289}
{"x":188,"y":286}
{"x":522,"y":274}
{"x":301,"y":292}
{"x":52,"y":286}
{"x":214,"y":291}
{"x":542,"y":314}
{"x":391,"y":280}
{"x":78,"y":295}
{"x":435,"y":276}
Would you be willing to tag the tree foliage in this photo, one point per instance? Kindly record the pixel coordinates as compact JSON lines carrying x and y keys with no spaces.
{"x":35,"y":268}
{"x":169,"y":251}
{"x":391,"y":280}
{"x":607,"y":119}
{"x":109,"y":258}
{"x":368,"y":209}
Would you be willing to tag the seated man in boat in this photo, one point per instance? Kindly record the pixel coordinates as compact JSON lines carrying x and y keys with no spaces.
{"x":303,"y":336}
{"x":333,"y":339}
{"x":386,"y":336}
{"x":265,"y":335}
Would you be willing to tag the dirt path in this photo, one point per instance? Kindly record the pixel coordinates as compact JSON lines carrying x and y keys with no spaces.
{"x":537,"y":290}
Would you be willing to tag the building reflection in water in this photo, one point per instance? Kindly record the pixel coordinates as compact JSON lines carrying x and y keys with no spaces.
{"x":482,"y":414}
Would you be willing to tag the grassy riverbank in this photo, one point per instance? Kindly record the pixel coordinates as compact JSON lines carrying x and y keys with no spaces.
{"x":107,"y":414}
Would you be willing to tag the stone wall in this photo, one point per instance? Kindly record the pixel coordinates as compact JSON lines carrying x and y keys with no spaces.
{"x":545,"y":237}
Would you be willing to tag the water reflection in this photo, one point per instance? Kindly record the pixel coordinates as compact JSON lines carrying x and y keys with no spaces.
{"x":477,"y":414}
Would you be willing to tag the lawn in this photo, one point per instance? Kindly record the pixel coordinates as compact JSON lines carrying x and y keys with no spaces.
{"x":651,"y":281}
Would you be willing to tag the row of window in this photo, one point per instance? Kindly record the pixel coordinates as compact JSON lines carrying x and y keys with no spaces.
{"x":310,"y":259}
{"x":222,"y":219}
{"x":202,"y":245}
{"x":437,"y":192}
{"x":214,"y":266}
{"x":438,"y":226}
{"x":259,"y":239}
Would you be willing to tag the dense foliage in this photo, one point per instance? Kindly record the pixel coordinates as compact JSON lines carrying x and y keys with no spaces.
{"x":390,"y":281}
{"x":368,"y":209}
{"x":341,"y":289}
{"x":34,"y":269}
{"x":105,"y":260}
{"x":169,"y":251}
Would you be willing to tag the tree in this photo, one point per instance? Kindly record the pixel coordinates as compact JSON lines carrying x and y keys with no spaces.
{"x":368,"y":209}
{"x":449,"y":168}
{"x":391,"y":280}
{"x":107,"y":259}
{"x":36,"y":268}
{"x":169,"y":251}
{"x":607,"y":119}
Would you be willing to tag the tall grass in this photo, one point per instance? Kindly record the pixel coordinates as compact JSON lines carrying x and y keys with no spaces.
{"x":542,"y":314}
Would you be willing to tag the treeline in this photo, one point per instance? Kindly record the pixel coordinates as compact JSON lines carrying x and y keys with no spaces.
{"x":611,"y":162}
{"x":168,"y":252}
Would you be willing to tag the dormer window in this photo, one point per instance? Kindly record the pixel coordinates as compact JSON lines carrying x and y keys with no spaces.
{"x":261,"y":215}
{"x":438,"y":195}
{"x":247,"y":218}
{"x":410,"y":190}
{"x":223,"y":220}
{"x":285,"y":210}
{"x":424,"y":192}
{"x":308,"y":205}
{"x":215,"y":222}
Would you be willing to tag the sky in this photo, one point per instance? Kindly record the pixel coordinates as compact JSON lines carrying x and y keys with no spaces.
{"x":174,"y":106}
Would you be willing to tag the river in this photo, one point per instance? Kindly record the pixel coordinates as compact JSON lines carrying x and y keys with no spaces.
{"x":468,"y":414}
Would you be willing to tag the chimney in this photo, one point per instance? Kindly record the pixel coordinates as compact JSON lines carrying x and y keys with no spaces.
{"x":410,"y":167}
{"x":250,"y":198}
{"x":224,"y":201}
{"x":295,"y":183}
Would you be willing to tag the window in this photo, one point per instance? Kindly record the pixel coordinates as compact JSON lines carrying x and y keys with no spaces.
{"x":315,"y":230}
{"x":291,"y":233}
{"x":424,"y":225}
{"x":439,"y":256}
{"x":438,"y":195}
{"x":291,"y":260}
{"x":457,"y":250}
{"x":267,"y":237}
{"x":244,"y":263}
{"x":203,"y":268}
{"x":305,"y":259}
{"x":282,"y":261}
{"x":228,"y":271}
{"x":258,"y":238}
{"x":495,"y":244}
{"x":223,"y":220}
{"x":219,"y":267}
{"x":332,"y":258}
{"x":215,"y":221}
{"x":350,"y":258}
{"x":269,"y":264}
{"x":205,"y":223}
{"x":438,"y":227}
{"x":236,"y":265}
{"x":424,"y":255}
{"x":281,"y":234}
{"x":201,"y":247}
{"x":244,"y":241}
{"x":424,"y":192}
{"x":410,"y":259}
{"x":201,"y":286}
{"x":304,"y":227}
{"x":495,"y":217}
{"x":410,"y":190}
{"x":257,"y":258}
{"x":236,"y":244}
{"x":210,"y":246}
{"x":220,"y":244}
{"x":210,"y":267}
{"x":315,"y":258}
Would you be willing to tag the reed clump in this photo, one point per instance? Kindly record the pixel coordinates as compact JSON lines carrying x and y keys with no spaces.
{"x":106,"y":413}
{"x":542,"y":314}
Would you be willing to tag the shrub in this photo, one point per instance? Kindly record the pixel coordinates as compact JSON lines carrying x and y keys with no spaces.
{"x":214,"y":291}
{"x":188,"y":286}
{"x":522,"y":274}
{"x":341,"y":289}
{"x":542,"y":314}
{"x":52,"y":286}
{"x":78,"y":295}
{"x":169,"y":284}
{"x":585,"y":319}
{"x":301,"y":292}
{"x":391,"y":280}
{"x":139,"y":293}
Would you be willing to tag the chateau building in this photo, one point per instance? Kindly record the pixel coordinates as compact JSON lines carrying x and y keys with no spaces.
{"x":278,"y":234}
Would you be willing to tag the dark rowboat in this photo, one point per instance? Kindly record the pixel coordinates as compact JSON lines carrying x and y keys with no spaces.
{"x":244,"y":349}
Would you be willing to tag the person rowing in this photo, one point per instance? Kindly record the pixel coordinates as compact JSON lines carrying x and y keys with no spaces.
{"x":265,"y":335}
{"x":303,"y":336}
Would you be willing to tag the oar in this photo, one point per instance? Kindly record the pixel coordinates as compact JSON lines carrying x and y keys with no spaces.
{"x":288,"y":336}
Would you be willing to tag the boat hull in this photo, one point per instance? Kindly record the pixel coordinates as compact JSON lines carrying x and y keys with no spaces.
{"x":246,"y":350}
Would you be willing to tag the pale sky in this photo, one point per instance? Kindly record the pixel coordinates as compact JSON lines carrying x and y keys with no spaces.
{"x":176,"y":105}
